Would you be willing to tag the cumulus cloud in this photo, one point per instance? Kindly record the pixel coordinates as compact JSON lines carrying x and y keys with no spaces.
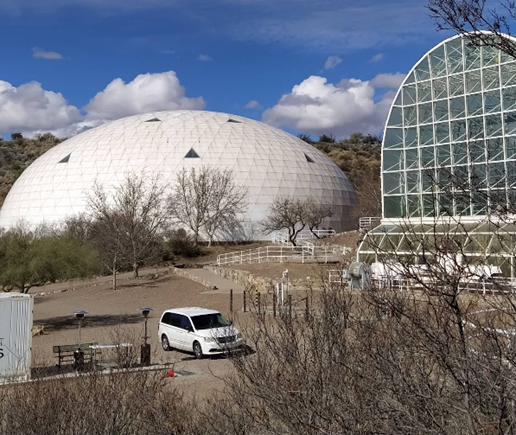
{"x":29,"y":107}
{"x":146,"y":93}
{"x":253,"y":104}
{"x":49,"y":55}
{"x":317,"y":107}
{"x":204,"y":58}
{"x":376,"y":58}
{"x":332,"y":62}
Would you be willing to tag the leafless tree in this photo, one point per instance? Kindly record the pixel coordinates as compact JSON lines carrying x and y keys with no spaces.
{"x":129,"y":221}
{"x":294,"y":214}
{"x":471,"y":17}
{"x":205,"y":199}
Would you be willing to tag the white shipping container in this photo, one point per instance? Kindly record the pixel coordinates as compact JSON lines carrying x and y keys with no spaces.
{"x":15,"y":336}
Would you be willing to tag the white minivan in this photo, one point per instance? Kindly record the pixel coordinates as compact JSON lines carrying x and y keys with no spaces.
{"x":198,"y":330}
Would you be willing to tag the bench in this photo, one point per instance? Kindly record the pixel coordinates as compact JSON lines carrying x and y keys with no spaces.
{"x":65,"y":353}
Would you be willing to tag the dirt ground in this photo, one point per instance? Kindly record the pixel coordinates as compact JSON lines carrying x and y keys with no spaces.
{"x":114,"y":317}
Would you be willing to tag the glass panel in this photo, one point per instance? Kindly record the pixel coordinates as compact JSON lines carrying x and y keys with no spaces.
{"x":490,"y":56}
{"x":424,"y":91}
{"x":396,"y":118}
{"x":445,"y":204}
{"x":398,"y":100}
{"x":474,"y":104}
{"x":411,"y":158}
{"x":428,"y":181}
{"x":510,"y":123}
{"x":479,"y":176}
{"x":473,"y":82}
{"x":479,"y":205}
{"x":392,"y":160}
{"x":425,"y":113}
{"x":394,"y":206}
{"x":441,"y":110}
{"x":495,"y":149}
{"x":457,"y":107}
{"x":462,"y":206}
{"x":426,"y":134}
{"x":458,"y":130}
{"x":508,"y":73}
{"x":477,"y":151}
{"x":454,"y":55}
{"x":427,"y":157}
{"x":509,"y":98}
{"x":496,"y":175}
{"x":410,"y":78}
{"x":475,"y":128}
{"x":442,"y":132}
{"x":393,"y":138}
{"x":490,"y":77}
{"x":492,"y":101}
{"x":413,"y":181}
{"x":423,"y":70}
{"x":410,"y":115}
{"x":460,"y":153}
{"x":456,"y":85}
{"x":440,"y":88}
{"x":429,"y":205}
{"x":510,"y":147}
{"x":443,"y":155}
{"x":493,"y":125}
{"x":411,"y":136}
{"x":414,"y":205}
{"x":472,"y":57}
{"x":393,"y":182}
{"x":437,"y":62}
{"x":511,"y":173}
{"x":409,"y":94}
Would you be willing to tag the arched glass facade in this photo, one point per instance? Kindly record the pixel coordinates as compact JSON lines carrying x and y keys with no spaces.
{"x":449,"y":147}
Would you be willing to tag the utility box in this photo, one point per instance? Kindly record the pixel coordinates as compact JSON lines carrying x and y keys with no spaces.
{"x":15,"y":336}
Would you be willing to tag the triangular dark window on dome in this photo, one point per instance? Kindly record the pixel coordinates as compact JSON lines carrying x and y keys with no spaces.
{"x":65,"y":159}
{"x":191,"y":154}
{"x":309,"y":159}
{"x":153,"y":120}
{"x":234,"y":120}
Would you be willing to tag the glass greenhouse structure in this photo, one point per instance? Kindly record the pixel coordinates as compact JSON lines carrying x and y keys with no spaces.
{"x":449,"y":159}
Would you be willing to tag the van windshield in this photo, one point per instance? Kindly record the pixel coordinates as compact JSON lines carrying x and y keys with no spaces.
{"x":207,"y":321}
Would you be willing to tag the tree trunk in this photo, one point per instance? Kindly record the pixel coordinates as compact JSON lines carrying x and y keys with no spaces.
{"x":135,"y":270}
{"x":114,"y":272}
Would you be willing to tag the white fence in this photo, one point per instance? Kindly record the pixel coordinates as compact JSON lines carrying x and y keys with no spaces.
{"x":307,"y":251}
{"x":368,"y":223}
{"x":282,"y":238}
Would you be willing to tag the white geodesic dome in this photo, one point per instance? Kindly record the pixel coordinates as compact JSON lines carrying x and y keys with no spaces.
{"x":267,"y":161}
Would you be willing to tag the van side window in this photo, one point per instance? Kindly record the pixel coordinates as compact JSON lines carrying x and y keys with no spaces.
{"x":185,"y":323}
{"x":175,"y":320}
{"x":166,"y":318}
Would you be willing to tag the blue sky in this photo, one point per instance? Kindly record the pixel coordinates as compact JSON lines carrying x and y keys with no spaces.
{"x":307,"y":66}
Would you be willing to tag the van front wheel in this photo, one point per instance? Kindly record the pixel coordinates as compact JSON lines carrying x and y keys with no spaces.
{"x":197,"y":350}
{"x":164,"y":343}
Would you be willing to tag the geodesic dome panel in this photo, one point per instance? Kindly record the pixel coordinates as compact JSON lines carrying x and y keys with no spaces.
{"x":267,"y":161}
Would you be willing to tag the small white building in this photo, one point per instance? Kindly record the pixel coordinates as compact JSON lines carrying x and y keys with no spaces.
{"x":15,"y":336}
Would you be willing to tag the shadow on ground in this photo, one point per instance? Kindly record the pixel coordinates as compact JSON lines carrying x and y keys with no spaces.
{"x":70,"y":322}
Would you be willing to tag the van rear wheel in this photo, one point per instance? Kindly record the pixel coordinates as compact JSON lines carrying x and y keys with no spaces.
{"x":164,"y":343}
{"x":197,"y":350}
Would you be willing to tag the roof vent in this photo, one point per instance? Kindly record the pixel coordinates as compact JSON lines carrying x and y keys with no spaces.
{"x":234,"y":120}
{"x":65,"y":159}
{"x":191,"y":154}
{"x":153,"y":120}
{"x":309,"y":159}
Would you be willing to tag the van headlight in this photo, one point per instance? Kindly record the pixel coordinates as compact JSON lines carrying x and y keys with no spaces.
{"x":209,"y":339}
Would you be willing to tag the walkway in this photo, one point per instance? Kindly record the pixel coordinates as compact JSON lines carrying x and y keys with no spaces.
{"x":223,"y":285}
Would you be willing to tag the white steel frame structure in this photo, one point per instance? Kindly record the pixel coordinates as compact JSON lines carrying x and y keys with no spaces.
{"x":449,"y":148}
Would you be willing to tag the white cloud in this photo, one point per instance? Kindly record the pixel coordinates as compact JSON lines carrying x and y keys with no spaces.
{"x":29,"y":107}
{"x":315,"y":106}
{"x":146,"y":93}
{"x":204,"y":58}
{"x":376,"y":58}
{"x":332,"y":62}
{"x":49,"y":55}
{"x":253,"y":104}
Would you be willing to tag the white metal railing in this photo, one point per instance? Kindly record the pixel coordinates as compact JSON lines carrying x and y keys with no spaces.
{"x":282,"y":253}
{"x":282,"y":238}
{"x":368,"y":223}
